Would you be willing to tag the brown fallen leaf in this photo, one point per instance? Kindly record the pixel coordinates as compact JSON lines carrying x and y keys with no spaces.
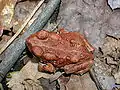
{"x":6,"y":12}
{"x":77,"y":82}
{"x":117,"y":78}
{"x":27,"y":77}
{"x":47,"y":85}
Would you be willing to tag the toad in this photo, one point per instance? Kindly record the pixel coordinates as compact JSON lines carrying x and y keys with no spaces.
{"x":68,"y":51}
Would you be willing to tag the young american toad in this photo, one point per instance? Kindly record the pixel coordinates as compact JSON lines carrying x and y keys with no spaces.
{"x":68,"y":51}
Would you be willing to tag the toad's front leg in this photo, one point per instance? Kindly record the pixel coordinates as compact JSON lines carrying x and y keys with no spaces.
{"x":46,"y":68}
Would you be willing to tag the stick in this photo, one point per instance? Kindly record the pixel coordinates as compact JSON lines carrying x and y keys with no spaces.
{"x":94,"y":78}
{"x":12,"y":53}
{"x":22,"y":27}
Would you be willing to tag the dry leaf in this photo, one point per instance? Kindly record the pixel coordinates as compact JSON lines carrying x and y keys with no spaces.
{"x":83,"y":82}
{"x":27,"y":78}
{"x":117,"y":78}
{"x":6,"y":12}
{"x":107,"y":62}
{"x":76,"y":82}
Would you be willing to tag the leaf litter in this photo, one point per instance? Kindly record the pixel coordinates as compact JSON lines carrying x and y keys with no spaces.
{"x":27,"y":78}
{"x":106,"y":59}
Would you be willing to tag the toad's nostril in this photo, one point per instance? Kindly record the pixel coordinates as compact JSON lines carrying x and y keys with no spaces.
{"x":37,"y":51}
{"x":42,"y":34}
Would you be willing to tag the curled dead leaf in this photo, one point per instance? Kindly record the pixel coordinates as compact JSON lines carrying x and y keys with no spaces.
{"x":6,"y":12}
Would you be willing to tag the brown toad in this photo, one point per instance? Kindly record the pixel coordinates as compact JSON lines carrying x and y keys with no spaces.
{"x":69,"y":51}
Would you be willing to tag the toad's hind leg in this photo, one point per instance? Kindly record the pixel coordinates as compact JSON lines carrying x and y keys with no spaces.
{"x":79,"y":67}
{"x":81,"y":72}
{"x":86,"y":69}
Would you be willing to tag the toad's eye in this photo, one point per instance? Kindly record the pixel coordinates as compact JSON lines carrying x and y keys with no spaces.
{"x":42,"y":35}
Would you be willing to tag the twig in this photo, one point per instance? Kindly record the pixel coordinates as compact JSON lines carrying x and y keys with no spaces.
{"x":54,"y":28}
{"x":94,"y":78}
{"x":22,"y":27}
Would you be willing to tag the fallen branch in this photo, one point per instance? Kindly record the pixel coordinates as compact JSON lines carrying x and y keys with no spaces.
{"x":12,"y":53}
{"x":22,"y":27}
{"x":94,"y":78}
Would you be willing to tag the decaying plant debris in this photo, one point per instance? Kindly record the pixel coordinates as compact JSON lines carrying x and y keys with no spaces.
{"x":93,"y":18}
{"x":108,"y":59}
